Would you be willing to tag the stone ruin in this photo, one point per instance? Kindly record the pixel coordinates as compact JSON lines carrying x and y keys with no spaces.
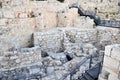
{"x":43,"y":40}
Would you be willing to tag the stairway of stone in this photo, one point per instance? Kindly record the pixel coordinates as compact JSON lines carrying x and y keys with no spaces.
{"x":90,"y":14}
{"x":97,"y":20}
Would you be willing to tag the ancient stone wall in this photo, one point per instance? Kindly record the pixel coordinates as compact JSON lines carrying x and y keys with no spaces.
{"x":29,"y":44}
{"x":49,"y":41}
{"x":54,"y":40}
{"x":23,"y":57}
{"x":111,"y":64}
{"x":107,"y":36}
{"x":100,"y":36}
{"x":19,"y":19}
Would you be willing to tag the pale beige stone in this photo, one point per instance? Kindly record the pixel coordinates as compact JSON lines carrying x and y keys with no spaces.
{"x":8,"y":14}
{"x":83,"y":22}
{"x":49,"y":19}
{"x":113,"y":77}
{"x":23,"y":15}
{"x":111,"y":63}
{"x":115,"y":53}
{"x":3,"y":22}
{"x":108,"y":50}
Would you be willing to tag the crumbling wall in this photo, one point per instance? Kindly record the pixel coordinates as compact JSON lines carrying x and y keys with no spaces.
{"x":107,"y":36}
{"x":50,"y":40}
{"x":12,"y":59}
{"x":23,"y":23}
{"x":20,"y":19}
{"x":100,"y":36}
{"x":16,"y":33}
{"x":56,"y":39}
{"x":111,"y":64}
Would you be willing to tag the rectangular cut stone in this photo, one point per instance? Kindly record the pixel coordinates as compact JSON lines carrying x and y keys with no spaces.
{"x":8,"y":14}
{"x":113,"y":77}
{"x":110,"y":71}
{"x":116,"y":53}
{"x":3,"y":22}
{"x":23,"y":15}
{"x":111,"y":64}
{"x":108,"y":50}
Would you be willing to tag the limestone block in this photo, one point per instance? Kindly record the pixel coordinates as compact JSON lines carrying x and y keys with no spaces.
{"x":1,"y":58}
{"x":50,"y":77}
{"x":39,"y":24}
{"x":71,"y":16}
{"x":79,"y":53}
{"x":70,"y":1}
{"x":62,"y":20}
{"x":67,"y":18}
{"x":84,"y":22}
{"x":113,"y":77}
{"x":50,"y":70}
{"x":115,"y":53}
{"x":13,"y":57}
{"x":16,"y":2}
{"x":3,"y":22}
{"x":51,"y":0}
{"x":106,"y":36}
{"x":18,"y":61}
{"x":49,"y":18}
{"x":18,"y":10}
{"x":109,"y":71}
{"x":59,"y":73}
{"x":111,"y":64}
{"x":68,"y":65}
{"x":8,"y":14}
{"x":59,"y":56}
{"x":47,"y":61}
{"x":100,"y":78}
{"x":104,"y":74}
{"x":1,"y":15}
{"x":108,"y":50}
{"x":57,"y":62}
{"x":34,"y":70}
{"x":23,"y":15}
{"x":4,"y":63}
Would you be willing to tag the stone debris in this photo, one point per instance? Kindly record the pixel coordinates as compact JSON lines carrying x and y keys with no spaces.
{"x":44,"y":39}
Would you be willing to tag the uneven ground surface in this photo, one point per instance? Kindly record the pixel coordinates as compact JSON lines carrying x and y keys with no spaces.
{"x":43,"y":40}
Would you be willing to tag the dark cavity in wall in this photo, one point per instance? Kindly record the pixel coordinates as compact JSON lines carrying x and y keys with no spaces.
{"x":44,"y":54}
{"x":31,"y":41}
{"x":61,"y":0}
{"x":46,"y":0}
{"x":69,"y":58}
{"x":38,"y":0}
{"x":62,"y":48}
{"x":119,"y":4}
{"x":0,"y":4}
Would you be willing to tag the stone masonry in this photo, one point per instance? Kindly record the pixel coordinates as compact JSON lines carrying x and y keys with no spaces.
{"x":44,"y":39}
{"x":111,"y":64}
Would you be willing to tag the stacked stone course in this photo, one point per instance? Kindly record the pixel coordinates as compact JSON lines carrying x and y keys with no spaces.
{"x":31,"y":47}
{"x":111,"y":63}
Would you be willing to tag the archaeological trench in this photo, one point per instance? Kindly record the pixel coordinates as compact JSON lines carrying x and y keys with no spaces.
{"x":59,"y":39}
